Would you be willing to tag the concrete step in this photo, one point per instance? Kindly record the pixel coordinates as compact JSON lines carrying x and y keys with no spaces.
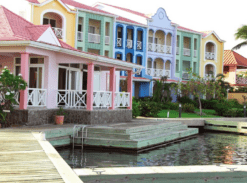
{"x":134,"y":135}
{"x":141,"y":142}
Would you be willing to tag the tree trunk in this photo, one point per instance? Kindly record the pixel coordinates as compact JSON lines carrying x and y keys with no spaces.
{"x":200,"y":105}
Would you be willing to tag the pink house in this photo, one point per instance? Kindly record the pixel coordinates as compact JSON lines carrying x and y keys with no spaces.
{"x":60,"y":75}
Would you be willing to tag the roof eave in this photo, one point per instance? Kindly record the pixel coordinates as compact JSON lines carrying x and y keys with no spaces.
{"x":190,"y":31}
{"x":140,"y":25}
{"x":99,"y":13}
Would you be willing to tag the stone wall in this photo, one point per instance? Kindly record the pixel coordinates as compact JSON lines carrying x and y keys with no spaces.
{"x":32,"y":117}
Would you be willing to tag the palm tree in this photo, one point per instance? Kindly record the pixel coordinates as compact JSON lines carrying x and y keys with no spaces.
{"x":241,"y":34}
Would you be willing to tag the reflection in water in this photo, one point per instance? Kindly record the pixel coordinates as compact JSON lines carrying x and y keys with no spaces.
{"x":205,"y":149}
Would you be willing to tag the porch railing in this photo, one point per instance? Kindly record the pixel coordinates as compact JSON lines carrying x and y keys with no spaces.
{"x":80,"y":36}
{"x":167,"y":73}
{"x":169,"y":49}
{"x":129,"y":43}
{"x":36,"y":97}
{"x":58,"y":32}
{"x":107,"y":40}
{"x":150,"y":71}
{"x":150,"y":46}
{"x":186,"y":52}
{"x":177,"y":50}
{"x":93,"y":38}
{"x":139,"y":45}
{"x":158,"y":72}
{"x":210,"y":56}
{"x":160,"y":48}
{"x":119,"y":42}
{"x":102,"y":99}
{"x":122,"y":99}
{"x":72,"y":98}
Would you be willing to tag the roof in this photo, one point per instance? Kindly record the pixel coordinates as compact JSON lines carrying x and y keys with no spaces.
{"x":119,"y":18}
{"x":208,"y":33}
{"x":74,"y":4}
{"x":232,"y":58}
{"x":128,"y":10}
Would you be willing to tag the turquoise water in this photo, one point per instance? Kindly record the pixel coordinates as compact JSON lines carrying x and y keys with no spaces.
{"x":204,"y":149}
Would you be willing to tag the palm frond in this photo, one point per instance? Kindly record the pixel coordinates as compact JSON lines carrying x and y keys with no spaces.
{"x":241,"y":33}
{"x":238,"y":46}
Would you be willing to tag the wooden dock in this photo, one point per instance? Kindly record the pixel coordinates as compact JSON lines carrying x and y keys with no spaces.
{"x":24,"y":157}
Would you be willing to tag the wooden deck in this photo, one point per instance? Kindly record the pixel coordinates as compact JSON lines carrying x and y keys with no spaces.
{"x":23,"y":158}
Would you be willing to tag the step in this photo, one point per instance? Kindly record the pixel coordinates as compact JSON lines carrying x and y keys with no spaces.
{"x":139,"y":143}
{"x":133,"y":135}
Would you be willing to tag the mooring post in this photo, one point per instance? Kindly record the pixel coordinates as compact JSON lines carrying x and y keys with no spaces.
{"x":180,"y":110}
{"x":244,"y":110}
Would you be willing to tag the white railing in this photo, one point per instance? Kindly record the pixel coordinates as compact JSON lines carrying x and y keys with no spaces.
{"x":107,"y":39}
{"x":150,"y":46}
{"x":167,"y":73}
{"x":102,"y":99}
{"x":122,"y":99}
{"x":119,"y":42}
{"x":195,"y":53}
{"x":185,"y":75}
{"x":177,"y":50}
{"x":210,"y":56}
{"x":209,"y":76}
{"x":186,"y":51}
{"x":169,"y":49}
{"x":158,"y":72}
{"x":36,"y":97}
{"x":139,"y":45}
{"x":150,"y":71}
{"x":129,"y":43}
{"x":80,"y":36}
{"x":58,"y":32}
{"x":71,"y":98}
{"x":93,"y":38}
{"x":159,"y":48}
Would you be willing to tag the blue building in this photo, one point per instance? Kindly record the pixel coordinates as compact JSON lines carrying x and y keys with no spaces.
{"x":130,"y":46}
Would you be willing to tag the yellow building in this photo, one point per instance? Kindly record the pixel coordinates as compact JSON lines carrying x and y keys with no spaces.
{"x":212,"y":54}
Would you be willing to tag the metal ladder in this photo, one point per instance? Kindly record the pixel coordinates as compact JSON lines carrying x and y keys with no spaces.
{"x":76,"y":130}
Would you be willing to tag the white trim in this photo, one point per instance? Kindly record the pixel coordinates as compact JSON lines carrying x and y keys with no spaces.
{"x":76,"y":28}
{"x":205,"y":68}
{"x":215,"y":51}
{"x":71,"y":52}
{"x":215,"y":36}
{"x":64,"y":23}
{"x":49,"y":31}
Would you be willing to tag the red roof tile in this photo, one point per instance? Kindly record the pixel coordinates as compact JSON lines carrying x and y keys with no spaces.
{"x":128,"y":21}
{"x":233,"y":58}
{"x":33,"y":1}
{"x":205,"y":33}
{"x":128,"y":10}
{"x":187,"y":29}
{"x":37,"y":30}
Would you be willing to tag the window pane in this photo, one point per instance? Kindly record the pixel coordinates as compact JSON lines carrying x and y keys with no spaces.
{"x":177,"y":65}
{"x":53,"y":23}
{"x":37,"y":61}
{"x":75,"y":65}
{"x":66,"y":65}
{"x":150,"y":39}
{"x":91,"y":30}
{"x":84,"y":67}
{"x":45,"y":21}
{"x":194,"y":67}
{"x":17,"y":70}
{"x":17,"y":60}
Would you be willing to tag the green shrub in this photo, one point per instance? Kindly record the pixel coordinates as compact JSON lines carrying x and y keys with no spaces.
{"x":150,"y":109}
{"x":221,"y":108}
{"x":234,"y":112}
{"x":209,"y":104}
{"x":190,"y":108}
{"x":170,"y":106}
{"x":135,"y":108}
{"x":187,"y":100}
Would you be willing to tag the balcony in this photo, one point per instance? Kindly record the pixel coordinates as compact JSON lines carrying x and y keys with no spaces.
{"x":177,"y":50}
{"x":150,"y":46}
{"x":93,"y":38}
{"x":158,"y":72}
{"x":209,"y":76}
{"x":58,"y":32}
{"x":107,"y":40}
{"x":169,"y":49}
{"x":139,"y":45}
{"x":186,"y":52}
{"x":159,"y":48}
{"x":185,"y":75}
{"x":129,"y":43}
{"x":195,"y":53}
{"x":80,"y":36}
{"x":119,"y":42}
{"x":210,"y":56}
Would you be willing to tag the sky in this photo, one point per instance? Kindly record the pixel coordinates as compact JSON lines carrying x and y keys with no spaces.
{"x":222,"y":16}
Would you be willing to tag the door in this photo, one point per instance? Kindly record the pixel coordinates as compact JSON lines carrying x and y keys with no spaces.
{"x":96,"y":81}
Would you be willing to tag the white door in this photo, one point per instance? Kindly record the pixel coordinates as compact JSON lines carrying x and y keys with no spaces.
{"x":96,"y":81}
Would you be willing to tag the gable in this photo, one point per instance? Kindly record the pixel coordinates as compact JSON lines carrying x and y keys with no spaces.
{"x":161,"y":18}
{"x":49,"y":37}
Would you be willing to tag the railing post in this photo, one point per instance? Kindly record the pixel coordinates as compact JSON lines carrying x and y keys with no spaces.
{"x":90,"y":77}
{"x":25,"y":76}
{"x":129,"y":86}
{"x":113,"y":85}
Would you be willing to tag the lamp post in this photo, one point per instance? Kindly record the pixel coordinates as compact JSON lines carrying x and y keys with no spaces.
{"x":180,"y":110}
{"x":245,"y":110}
{"x":227,"y":93}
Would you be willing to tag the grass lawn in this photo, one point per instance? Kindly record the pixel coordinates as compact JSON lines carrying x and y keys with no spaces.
{"x":209,"y":113}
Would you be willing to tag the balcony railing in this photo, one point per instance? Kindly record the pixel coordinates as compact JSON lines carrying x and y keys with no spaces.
{"x":80,"y":36}
{"x":150,"y":71}
{"x":72,"y":98}
{"x":209,"y":76}
{"x":93,"y":38}
{"x":169,"y":49}
{"x":58,"y":32}
{"x":102,"y":99}
{"x":195,"y":53}
{"x":139,"y":45}
{"x":210,"y":56}
{"x":122,"y":99}
{"x":36,"y":97}
{"x":158,"y":72}
{"x":186,"y":52}
{"x":129,"y":43}
{"x":159,"y":48}
{"x":119,"y":42}
{"x":150,"y":46}
{"x":177,"y":50}
{"x":107,"y":40}
{"x":185,"y":75}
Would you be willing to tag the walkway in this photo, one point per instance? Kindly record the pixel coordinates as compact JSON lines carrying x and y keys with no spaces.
{"x":25,"y":157}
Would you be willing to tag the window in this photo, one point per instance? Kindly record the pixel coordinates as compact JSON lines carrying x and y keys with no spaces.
{"x":139,"y":60}
{"x":195,"y":44}
{"x":177,"y":41}
{"x":80,"y":24}
{"x":49,"y":21}
{"x":37,"y":61}
{"x":17,"y":66}
{"x":186,"y":65}
{"x":96,"y":68}
{"x":91,"y":30}
{"x":194,"y":67}
{"x":80,"y":48}
{"x":177,"y":65}
{"x":106,"y":53}
{"x":119,"y":56}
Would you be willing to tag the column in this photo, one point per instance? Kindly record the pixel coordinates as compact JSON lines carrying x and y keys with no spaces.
{"x":153,"y":46}
{"x":165,"y":44}
{"x":113,"y":86}
{"x":90,"y":77}
{"x":129,"y":86}
{"x":25,"y":76}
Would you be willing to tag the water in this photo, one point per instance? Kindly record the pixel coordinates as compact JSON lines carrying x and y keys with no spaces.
{"x":204,"y":149}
